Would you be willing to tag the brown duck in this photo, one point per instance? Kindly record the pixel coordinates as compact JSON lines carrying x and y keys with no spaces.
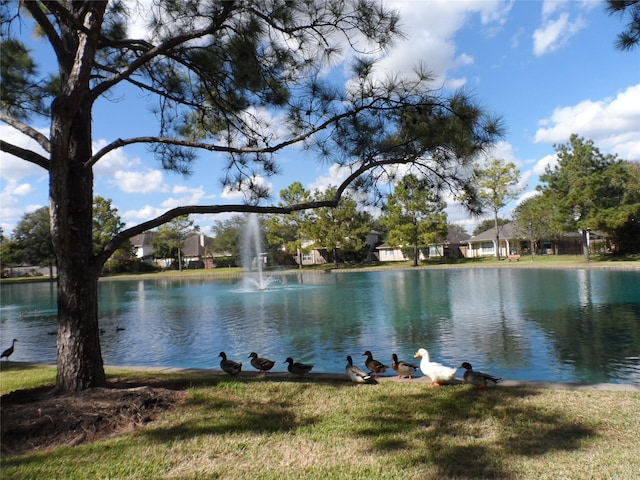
{"x":262,"y":364}
{"x":298,"y":368}
{"x":229,"y":366}
{"x":374,"y":365}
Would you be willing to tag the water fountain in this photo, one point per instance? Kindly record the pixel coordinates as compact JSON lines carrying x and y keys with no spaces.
{"x":252,"y":257}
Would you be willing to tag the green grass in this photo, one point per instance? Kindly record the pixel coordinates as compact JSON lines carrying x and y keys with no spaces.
{"x":250,"y":428}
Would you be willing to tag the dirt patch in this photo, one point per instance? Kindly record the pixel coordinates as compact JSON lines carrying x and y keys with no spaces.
{"x":39,"y":419}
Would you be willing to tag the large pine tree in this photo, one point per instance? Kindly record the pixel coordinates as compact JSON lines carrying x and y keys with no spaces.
{"x":212,"y":66}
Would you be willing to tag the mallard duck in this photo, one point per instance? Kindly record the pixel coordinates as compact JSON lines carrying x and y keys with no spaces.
{"x":437,"y":372}
{"x":298,"y":368}
{"x":356,"y":374}
{"x":9,"y":351}
{"x":481,"y":380}
{"x":262,"y":364}
{"x":229,"y":366}
{"x":403,"y":369}
{"x":374,"y":365}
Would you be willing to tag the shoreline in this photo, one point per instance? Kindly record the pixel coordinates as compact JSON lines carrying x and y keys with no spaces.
{"x":631,"y":266}
{"x":280,"y":376}
{"x":623,"y":265}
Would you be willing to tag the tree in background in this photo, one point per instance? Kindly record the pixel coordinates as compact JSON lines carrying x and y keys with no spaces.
{"x":106,"y":225}
{"x":414,"y":215}
{"x":169,"y":240}
{"x":226,"y":237}
{"x":583,"y":185}
{"x":629,"y":38}
{"x":497,"y":182}
{"x":219,"y":72}
{"x":342,"y":227}
{"x":618,"y":212}
{"x":6,"y":254}
{"x":531,"y":219}
{"x":31,"y":240}
{"x":106,"y":222}
{"x":287,"y":230}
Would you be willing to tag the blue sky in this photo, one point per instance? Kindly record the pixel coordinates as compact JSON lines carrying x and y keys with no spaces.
{"x":549,"y":68}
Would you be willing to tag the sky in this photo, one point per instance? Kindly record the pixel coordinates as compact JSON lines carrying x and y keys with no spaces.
{"x":548,"y":68}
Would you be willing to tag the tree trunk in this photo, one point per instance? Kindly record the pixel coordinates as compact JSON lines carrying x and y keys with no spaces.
{"x":79,"y":360}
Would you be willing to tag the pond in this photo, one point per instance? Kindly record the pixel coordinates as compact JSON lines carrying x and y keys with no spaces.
{"x":517,"y":323}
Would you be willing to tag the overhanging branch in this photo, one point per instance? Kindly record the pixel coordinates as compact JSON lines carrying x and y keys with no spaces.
{"x":30,"y":132}
{"x":212,"y":147}
{"x":24,"y":154}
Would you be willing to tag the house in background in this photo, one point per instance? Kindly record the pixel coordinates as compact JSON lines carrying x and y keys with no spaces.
{"x":484,"y":244}
{"x":312,"y":256}
{"x":193,"y":251}
{"x":454,"y":246}
{"x":387,"y":253}
{"x":143,"y":245}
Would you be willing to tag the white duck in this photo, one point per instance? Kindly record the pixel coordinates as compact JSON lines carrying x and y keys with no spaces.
{"x":437,"y":372}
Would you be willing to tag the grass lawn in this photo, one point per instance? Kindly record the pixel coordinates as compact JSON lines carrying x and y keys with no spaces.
{"x":281,"y":428}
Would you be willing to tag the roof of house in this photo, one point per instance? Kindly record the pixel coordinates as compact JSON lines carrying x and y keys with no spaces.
{"x":195,"y":245}
{"x":145,"y":238}
{"x":456,"y":238}
{"x":505,"y":231}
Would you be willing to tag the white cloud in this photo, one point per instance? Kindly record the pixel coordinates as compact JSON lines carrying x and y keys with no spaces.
{"x":12,"y":207}
{"x":549,"y":7}
{"x":145,"y":181}
{"x":554,"y":34}
{"x":24,"y":189}
{"x":504,"y":150}
{"x":431,"y":27}
{"x":335,"y":176}
{"x":526,"y":196}
{"x":113,"y":161}
{"x":613,"y":124}
{"x":185,"y":196}
{"x":145,"y":213}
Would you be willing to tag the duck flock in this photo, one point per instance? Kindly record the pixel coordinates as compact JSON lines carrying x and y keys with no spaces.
{"x":438,"y":374}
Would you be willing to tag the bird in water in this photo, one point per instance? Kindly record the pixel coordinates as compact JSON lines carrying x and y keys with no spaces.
{"x":229,"y":366}
{"x":402,"y":368}
{"x":356,"y":374}
{"x":9,"y":351}
{"x":298,"y":368}
{"x":437,"y":372}
{"x":481,"y":380}
{"x":374,"y":365}
{"x":262,"y":364}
